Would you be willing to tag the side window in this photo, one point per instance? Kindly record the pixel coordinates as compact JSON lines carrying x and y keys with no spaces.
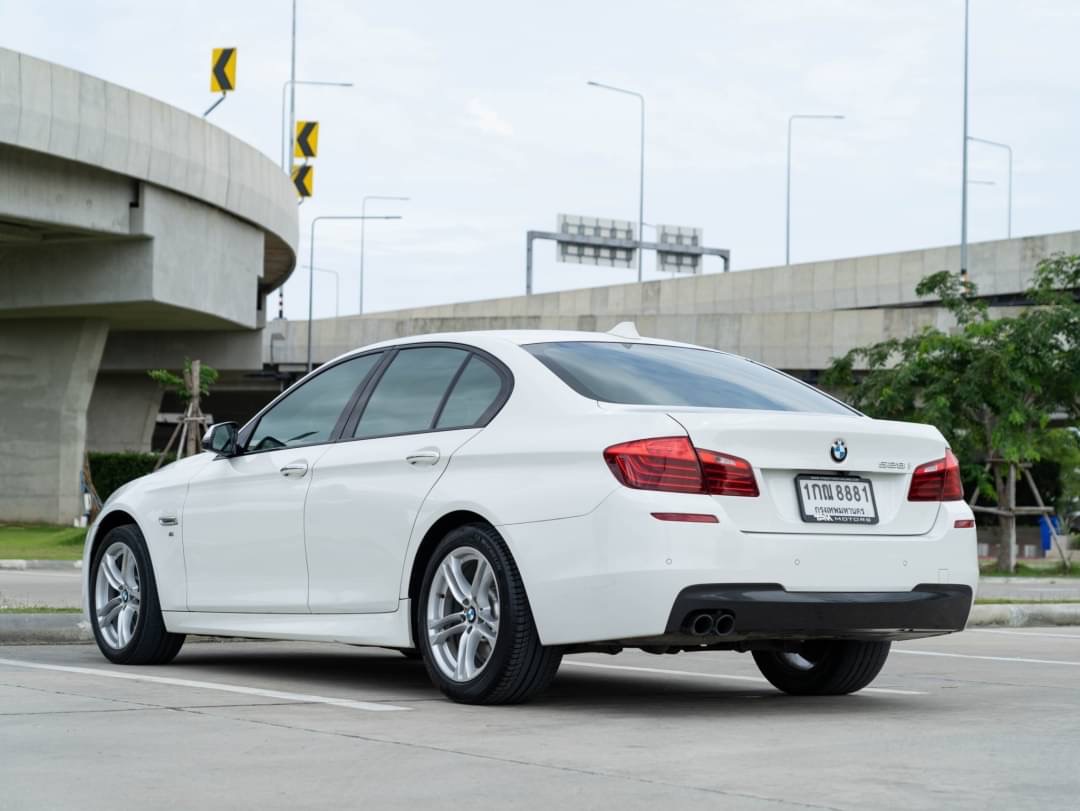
{"x":308,"y":415}
{"x":473,"y":394}
{"x":410,"y":391}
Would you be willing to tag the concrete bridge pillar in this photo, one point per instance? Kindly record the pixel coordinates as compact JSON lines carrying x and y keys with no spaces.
{"x":47,"y":372}
{"x":123,"y":412}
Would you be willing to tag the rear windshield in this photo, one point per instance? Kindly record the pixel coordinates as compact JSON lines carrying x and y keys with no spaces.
{"x":653,"y":374}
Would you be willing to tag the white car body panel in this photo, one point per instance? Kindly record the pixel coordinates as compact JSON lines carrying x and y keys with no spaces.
{"x":330,"y":556}
{"x":364,"y":499}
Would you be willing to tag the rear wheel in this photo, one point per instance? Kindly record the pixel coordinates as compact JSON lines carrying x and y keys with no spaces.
{"x":475,"y":630}
{"x":124,"y":610}
{"x":823,"y":667}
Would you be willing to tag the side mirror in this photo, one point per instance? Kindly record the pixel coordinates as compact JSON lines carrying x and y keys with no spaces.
{"x":221,"y":438}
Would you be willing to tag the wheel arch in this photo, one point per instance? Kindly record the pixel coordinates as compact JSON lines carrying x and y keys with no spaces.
{"x":435,"y":533}
{"x":113,"y":519}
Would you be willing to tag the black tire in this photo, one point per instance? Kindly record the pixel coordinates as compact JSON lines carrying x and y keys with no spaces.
{"x":519,"y":667}
{"x":412,"y":654}
{"x":150,"y":643}
{"x":830,"y":667}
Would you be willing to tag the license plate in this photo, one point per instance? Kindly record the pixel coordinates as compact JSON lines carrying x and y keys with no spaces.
{"x":836,"y":500}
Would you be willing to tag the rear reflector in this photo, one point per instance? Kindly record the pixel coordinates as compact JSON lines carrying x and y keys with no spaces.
{"x":964,"y":523}
{"x":674,"y":465}
{"x":689,"y":518}
{"x":937,"y":481}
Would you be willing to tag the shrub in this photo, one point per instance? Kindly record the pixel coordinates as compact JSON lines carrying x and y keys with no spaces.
{"x":111,"y":470}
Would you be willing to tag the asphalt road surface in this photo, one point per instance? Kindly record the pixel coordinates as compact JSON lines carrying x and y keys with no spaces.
{"x":38,"y":587}
{"x":985,"y":719}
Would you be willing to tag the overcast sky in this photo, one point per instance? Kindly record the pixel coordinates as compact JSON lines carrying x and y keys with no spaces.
{"x":480,"y":113}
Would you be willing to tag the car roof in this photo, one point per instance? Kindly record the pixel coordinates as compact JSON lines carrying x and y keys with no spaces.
{"x":521,"y":337}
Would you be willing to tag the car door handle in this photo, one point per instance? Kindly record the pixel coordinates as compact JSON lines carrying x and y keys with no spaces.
{"x":294,"y":470}
{"x":428,"y":456}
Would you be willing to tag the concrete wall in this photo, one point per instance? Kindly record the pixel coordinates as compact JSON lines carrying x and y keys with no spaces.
{"x":796,"y":318}
{"x":48,"y":369}
{"x":122,"y":413}
{"x":54,"y":110}
{"x":119,"y":216}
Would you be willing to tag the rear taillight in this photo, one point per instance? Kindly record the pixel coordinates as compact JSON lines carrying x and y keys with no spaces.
{"x":727,"y":475}
{"x":937,"y":481}
{"x":674,"y":465}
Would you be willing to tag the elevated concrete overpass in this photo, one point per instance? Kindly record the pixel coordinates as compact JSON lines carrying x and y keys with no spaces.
{"x":132,"y":234}
{"x":795,"y":318}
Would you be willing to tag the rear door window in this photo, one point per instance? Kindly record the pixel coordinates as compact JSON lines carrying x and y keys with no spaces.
{"x":408,"y":395}
{"x":474,"y":394}
{"x":656,"y":374}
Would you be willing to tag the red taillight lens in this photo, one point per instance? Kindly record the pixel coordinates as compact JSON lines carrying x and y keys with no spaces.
{"x":937,"y":481}
{"x":727,"y":475}
{"x":667,"y":463}
{"x":674,"y":465}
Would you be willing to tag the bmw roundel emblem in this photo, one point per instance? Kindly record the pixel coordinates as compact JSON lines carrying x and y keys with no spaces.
{"x":838,"y":451}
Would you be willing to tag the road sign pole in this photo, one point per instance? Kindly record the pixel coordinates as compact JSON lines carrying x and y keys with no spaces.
{"x":292,"y":93}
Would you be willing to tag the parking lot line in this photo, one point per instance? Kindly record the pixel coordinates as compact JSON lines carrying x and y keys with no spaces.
{"x":1023,"y":633}
{"x":1020,"y":659}
{"x":303,"y":698}
{"x":723,"y":676}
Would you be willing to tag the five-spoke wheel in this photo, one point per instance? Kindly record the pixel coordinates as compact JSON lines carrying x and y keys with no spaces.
{"x":463,"y":614}
{"x":475,"y":630}
{"x":124,"y":610}
{"x":116,"y":595}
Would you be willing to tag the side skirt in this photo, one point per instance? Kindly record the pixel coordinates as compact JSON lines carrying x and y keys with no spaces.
{"x":389,"y":629}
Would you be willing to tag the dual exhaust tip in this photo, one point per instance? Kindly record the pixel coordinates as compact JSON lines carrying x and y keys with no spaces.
{"x":710,"y":623}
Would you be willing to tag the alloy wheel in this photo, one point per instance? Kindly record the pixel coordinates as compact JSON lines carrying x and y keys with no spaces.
{"x":463,"y":614}
{"x":117,"y":595}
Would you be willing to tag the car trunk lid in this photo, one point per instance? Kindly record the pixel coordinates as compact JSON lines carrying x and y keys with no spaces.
{"x":784,"y":445}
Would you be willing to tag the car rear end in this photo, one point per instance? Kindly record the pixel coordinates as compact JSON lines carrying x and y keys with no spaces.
{"x":773,"y":512}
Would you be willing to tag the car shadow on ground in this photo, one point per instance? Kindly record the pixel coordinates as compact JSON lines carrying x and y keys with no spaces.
{"x":373,"y":674}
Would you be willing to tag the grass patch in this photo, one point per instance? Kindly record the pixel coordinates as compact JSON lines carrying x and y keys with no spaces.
{"x":1052,"y":568}
{"x":39,"y":609}
{"x":41,"y":542}
{"x":1014,"y":601}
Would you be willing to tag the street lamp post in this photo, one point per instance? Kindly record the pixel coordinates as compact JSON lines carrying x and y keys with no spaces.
{"x":337,"y":288}
{"x":311,"y":264}
{"x":1007,"y":148}
{"x":289,"y":126}
{"x":964,"y":161}
{"x":641,"y":177}
{"x":363,"y":211}
{"x":787,"y":220}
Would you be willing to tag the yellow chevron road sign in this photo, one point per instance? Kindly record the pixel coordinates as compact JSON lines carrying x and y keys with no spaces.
{"x":307,"y":139}
{"x":303,"y":177}
{"x":223,"y":70}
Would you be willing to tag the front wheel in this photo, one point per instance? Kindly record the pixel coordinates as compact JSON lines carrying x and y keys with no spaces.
{"x":124,"y":610}
{"x":823,"y":667}
{"x":475,"y":630}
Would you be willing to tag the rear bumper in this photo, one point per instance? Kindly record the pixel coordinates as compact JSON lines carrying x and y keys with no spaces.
{"x":769,"y":611}
{"x":615,"y":573}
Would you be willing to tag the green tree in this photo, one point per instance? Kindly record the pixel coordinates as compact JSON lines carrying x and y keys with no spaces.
{"x":178,"y":383}
{"x":992,"y":385}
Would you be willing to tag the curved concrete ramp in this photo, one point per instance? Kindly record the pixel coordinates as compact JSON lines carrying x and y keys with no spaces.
{"x":123,"y":222}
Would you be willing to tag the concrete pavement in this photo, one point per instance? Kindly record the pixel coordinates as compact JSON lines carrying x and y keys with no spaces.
{"x":984,"y":719}
{"x":62,"y":589}
{"x":40,"y":587}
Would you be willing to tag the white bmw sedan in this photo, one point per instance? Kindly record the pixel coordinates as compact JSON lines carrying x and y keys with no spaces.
{"x":489,"y":501}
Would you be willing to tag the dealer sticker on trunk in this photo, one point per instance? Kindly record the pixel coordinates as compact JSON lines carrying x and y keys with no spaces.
{"x":836,"y":499}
